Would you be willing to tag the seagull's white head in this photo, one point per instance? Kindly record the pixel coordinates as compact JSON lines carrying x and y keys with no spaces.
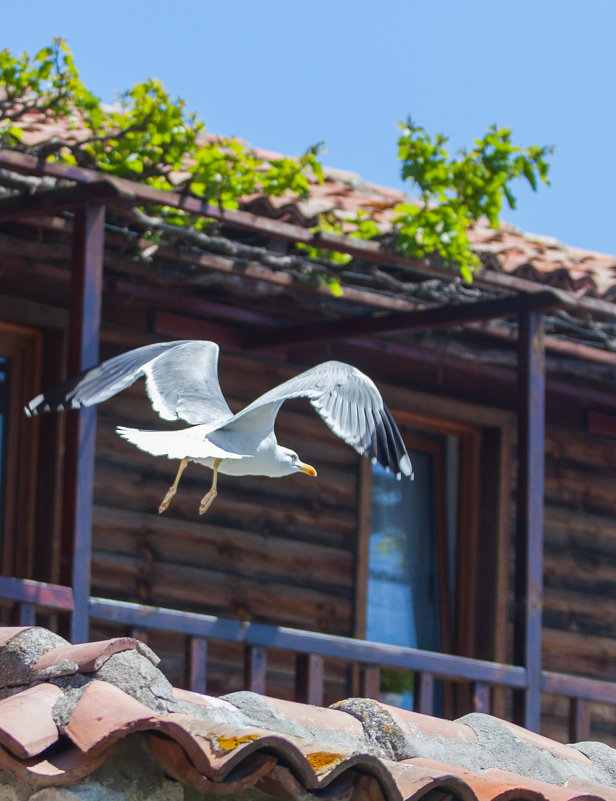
{"x":291,"y":462}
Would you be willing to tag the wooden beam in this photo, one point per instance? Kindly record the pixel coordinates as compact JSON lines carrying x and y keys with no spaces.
{"x":54,"y":201}
{"x":438,"y":317}
{"x":368,"y":250}
{"x":84,"y":332}
{"x":530,"y":490}
{"x":36,"y":593}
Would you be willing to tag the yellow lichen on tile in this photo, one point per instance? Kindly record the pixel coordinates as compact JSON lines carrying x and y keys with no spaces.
{"x":231,"y":743}
{"x":321,"y":760}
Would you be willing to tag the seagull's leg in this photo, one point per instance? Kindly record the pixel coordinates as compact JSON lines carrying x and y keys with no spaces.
{"x":208,"y":498}
{"x":173,"y":488}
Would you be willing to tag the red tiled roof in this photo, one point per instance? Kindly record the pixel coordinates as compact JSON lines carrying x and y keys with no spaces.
{"x":64,"y":707}
{"x":534,"y":257}
{"x":538,"y":258}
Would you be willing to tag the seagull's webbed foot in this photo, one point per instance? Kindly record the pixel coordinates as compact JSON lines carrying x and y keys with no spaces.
{"x":210,"y":495}
{"x":173,"y":488}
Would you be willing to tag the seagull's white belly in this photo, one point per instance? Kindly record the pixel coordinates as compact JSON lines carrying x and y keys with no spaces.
{"x":261,"y":464}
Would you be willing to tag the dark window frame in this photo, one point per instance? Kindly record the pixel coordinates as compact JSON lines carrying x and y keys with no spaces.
{"x":21,"y":347}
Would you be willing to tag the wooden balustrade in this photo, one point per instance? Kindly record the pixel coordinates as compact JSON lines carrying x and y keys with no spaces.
{"x":311,"y":649}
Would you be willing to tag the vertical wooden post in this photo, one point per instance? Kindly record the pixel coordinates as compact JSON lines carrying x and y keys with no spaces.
{"x":424,"y":693}
{"x":309,"y":679}
{"x":529,"y":540}
{"x":197,"y":664}
{"x":255,"y":667}
{"x":371,"y":682}
{"x":27,"y":614}
{"x":579,"y":720}
{"x":84,"y":332}
{"x":481,"y":697}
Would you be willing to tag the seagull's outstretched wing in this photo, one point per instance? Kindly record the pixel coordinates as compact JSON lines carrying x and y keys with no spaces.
{"x":349,"y":403}
{"x":181,"y":381}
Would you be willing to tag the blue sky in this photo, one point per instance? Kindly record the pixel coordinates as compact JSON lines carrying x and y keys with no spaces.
{"x":284,"y":75}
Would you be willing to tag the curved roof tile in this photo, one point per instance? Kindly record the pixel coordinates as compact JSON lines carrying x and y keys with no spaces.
{"x":59,"y":731}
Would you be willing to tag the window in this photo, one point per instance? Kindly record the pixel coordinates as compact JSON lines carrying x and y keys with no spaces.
{"x":423,"y":544}
{"x":410,"y":572}
{"x":412,"y":533}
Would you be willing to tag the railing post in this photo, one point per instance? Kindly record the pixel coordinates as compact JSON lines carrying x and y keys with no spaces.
{"x":309,"y":679}
{"x":579,"y":720}
{"x":424,"y":693}
{"x":371,"y":682}
{"x":255,"y":667}
{"x":530,"y":490}
{"x":197,"y":664}
{"x":27,"y":614}
{"x":481,"y":697}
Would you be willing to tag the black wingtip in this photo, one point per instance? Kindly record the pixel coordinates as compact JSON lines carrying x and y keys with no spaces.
{"x":387,"y":446}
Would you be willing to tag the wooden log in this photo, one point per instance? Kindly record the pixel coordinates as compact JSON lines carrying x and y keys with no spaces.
{"x":219,"y":593}
{"x":228,"y":550}
{"x":578,"y":653}
{"x":566,"y":528}
{"x":581,"y":448}
{"x":571,"y":489}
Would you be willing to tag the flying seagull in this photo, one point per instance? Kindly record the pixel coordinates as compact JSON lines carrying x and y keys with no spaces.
{"x":181,"y":380}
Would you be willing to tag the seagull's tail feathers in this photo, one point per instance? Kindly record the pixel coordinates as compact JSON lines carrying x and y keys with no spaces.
{"x":186,"y":442}
{"x":158,"y":443}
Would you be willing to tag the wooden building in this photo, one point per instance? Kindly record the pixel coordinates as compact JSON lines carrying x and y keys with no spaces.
{"x":493,"y":553}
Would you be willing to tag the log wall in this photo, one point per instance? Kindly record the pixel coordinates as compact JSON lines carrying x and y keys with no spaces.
{"x":579,"y":624}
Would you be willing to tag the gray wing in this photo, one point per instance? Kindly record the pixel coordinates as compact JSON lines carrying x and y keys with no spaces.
{"x":349,"y":403}
{"x":181,"y":382}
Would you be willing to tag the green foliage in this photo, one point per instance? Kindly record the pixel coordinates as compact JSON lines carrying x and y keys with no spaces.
{"x":396,"y":681}
{"x":456,"y":191}
{"x":149,"y":136}
{"x":47,"y":83}
{"x":146,"y":136}
{"x":362,"y":226}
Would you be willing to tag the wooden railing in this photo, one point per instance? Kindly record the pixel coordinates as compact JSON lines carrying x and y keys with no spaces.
{"x":311,"y":648}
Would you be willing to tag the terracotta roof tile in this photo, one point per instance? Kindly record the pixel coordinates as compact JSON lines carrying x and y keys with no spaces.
{"x":27,"y":726}
{"x":57,"y":734}
{"x":89,"y":657}
{"x":104,"y":714}
{"x":344,"y":193}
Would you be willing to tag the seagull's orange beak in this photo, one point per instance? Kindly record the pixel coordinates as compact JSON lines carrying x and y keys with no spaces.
{"x":308,"y":469}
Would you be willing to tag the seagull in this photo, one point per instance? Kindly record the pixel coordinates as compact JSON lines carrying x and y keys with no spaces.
{"x":181,"y":380}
